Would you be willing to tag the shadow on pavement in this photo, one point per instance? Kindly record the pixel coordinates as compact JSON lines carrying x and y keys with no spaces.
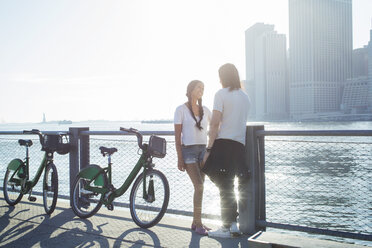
{"x":233,"y":242}
{"x":223,"y":242}
{"x":50,"y":231}
{"x":18,"y":228}
{"x":142,"y":237}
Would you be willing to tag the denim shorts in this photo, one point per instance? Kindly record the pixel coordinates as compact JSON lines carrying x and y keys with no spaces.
{"x":193,"y":154}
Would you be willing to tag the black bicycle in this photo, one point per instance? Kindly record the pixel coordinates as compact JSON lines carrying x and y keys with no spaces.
{"x":16,"y":180}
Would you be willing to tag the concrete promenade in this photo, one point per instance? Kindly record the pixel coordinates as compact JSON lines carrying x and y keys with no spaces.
{"x":27,"y":225}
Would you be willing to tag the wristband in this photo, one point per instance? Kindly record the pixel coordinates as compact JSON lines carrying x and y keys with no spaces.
{"x":209,"y":149}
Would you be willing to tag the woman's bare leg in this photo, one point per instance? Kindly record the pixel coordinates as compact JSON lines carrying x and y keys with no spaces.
{"x":197,"y":179}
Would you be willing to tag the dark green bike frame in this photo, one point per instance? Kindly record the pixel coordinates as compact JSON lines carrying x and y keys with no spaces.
{"x":94,"y":176}
{"x":15,"y":164}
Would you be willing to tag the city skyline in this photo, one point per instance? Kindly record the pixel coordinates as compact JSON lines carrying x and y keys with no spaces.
{"x":319,"y":77}
{"x":320,"y":55}
{"x":70,"y":60}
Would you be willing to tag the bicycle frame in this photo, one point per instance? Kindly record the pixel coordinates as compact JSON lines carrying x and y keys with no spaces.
{"x":143,"y":162}
{"x":48,"y":158}
{"x":29,"y":184}
{"x":17,"y":181}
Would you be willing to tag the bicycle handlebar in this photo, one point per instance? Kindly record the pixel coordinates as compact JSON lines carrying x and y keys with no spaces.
{"x":138,"y":134}
{"x":35,"y":131}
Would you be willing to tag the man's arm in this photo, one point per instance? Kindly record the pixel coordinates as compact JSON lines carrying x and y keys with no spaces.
{"x":214,"y":126}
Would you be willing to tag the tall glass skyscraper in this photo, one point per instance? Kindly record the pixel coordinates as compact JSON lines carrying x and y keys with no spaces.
{"x":251,"y":34}
{"x":266,"y":68}
{"x":370,"y":70}
{"x":320,"y":54}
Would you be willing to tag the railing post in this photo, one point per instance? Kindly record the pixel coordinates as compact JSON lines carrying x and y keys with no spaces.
{"x":249,"y":199}
{"x":84,"y":150}
{"x":261,"y":194}
{"x":74,"y":155}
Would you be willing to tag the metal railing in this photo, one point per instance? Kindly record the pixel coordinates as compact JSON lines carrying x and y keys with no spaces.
{"x":312,"y":181}
{"x":316,"y":182}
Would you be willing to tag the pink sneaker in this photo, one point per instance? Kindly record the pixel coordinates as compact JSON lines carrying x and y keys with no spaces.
{"x":207,"y":228}
{"x":201,"y":230}
{"x":193,"y":227}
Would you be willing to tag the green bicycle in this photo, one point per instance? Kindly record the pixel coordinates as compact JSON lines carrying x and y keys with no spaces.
{"x":150,"y":192}
{"x":17,"y":176}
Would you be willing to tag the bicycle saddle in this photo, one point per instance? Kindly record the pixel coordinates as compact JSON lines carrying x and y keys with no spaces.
{"x":109,"y":151}
{"x":25,"y":142}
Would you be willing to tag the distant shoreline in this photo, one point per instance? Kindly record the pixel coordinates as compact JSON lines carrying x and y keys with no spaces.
{"x":157,"y":121}
{"x":315,"y":120}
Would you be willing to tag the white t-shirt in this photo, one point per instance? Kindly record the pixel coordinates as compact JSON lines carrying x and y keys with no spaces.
{"x":191,"y":135}
{"x":234,"y":106}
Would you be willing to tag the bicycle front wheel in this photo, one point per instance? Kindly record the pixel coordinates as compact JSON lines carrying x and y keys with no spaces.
{"x":50,"y":188}
{"x":86,"y":203}
{"x":148,"y":209}
{"x":12,"y":186}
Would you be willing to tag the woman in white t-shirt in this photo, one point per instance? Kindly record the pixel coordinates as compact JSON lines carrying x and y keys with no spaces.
{"x":191,"y":121}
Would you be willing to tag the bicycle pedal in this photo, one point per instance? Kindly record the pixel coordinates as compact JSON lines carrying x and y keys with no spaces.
{"x":32,"y":198}
{"x":110,"y":207}
{"x":84,"y":202}
{"x":22,"y":175}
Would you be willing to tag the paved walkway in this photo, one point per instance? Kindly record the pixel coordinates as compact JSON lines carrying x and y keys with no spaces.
{"x":27,"y":225}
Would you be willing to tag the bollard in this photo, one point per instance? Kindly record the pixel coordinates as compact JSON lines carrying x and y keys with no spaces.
{"x":74,"y":154}
{"x":250,"y":200}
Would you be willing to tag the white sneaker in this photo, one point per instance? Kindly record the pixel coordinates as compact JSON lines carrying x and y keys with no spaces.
{"x":234,"y":230}
{"x":221,"y":232}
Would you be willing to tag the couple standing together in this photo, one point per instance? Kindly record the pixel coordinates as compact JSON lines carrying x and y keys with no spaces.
{"x":222,"y":155}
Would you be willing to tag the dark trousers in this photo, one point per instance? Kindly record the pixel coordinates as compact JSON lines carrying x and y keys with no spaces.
{"x":227,"y":161}
{"x":229,"y":208}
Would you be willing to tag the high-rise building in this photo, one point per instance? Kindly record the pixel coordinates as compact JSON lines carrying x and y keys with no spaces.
{"x":360,"y":62}
{"x":320,"y":55}
{"x":251,"y":35}
{"x":270,"y":76}
{"x":266,"y":72}
{"x":370,"y":71}
{"x":355,"y":96}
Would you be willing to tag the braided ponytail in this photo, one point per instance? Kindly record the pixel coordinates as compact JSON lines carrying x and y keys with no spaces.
{"x":190,"y":88}
{"x":201,"y":114}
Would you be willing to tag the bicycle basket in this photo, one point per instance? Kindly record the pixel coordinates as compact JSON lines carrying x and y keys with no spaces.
{"x":54,"y":142}
{"x":157,"y":146}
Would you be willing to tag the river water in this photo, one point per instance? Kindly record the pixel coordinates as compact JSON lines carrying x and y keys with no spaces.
{"x":114,"y":126}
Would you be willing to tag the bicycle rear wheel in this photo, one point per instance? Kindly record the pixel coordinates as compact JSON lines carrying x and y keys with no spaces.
{"x":12,"y":186}
{"x":86,"y":203}
{"x":50,"y":188}
{"x":147,"y":211}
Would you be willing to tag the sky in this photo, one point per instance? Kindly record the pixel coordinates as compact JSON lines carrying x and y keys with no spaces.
{"x":126,"y":60}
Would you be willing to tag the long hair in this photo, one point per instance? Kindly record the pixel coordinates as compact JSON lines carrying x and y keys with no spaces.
{"x":229,"y":76}
{"x":190,"y":87}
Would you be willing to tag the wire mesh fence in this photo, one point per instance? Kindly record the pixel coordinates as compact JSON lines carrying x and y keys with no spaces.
{"x":319,"y":182}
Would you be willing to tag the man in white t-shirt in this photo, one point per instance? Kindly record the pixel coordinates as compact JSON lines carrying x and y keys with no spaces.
{"x":225,"y":156}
